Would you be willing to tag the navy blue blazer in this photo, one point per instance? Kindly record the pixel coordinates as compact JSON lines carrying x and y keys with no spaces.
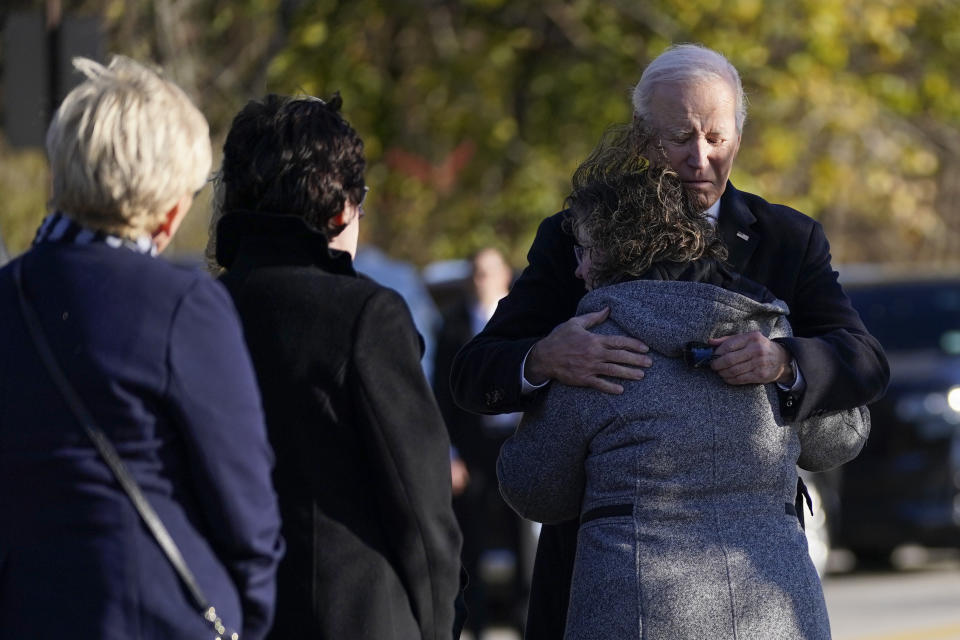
{"x":156,"y":351}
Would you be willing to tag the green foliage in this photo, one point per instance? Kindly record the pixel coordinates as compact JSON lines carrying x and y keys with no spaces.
{"x":476,"y":112}
{"x":23,"y":179}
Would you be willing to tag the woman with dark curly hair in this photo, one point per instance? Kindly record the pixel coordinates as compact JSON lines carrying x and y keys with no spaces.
{"x":363,"y":470}
{"x":684,"y":485}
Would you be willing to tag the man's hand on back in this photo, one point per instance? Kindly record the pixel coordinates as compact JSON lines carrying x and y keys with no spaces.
{"x":751,"y":358}
{"x":576,"y":357}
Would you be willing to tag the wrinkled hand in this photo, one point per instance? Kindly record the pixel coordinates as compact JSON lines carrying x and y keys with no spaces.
{"x":751,"y":358}
{"x":574,"y":356}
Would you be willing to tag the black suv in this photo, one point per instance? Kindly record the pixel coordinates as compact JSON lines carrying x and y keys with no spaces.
{"x":904,"y":487}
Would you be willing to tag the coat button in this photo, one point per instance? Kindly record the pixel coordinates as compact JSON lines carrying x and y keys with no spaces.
{"x":493,"y":397}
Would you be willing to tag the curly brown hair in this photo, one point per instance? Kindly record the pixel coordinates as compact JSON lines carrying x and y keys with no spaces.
{"x":635,"y":212}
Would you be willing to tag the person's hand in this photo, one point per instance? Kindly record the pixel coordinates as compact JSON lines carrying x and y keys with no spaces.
{"x":572,"y":355}
{"x":459,"y":476}
{"x":751,"y":358}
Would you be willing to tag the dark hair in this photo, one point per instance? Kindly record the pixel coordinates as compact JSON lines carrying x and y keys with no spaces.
{"x":636,"y":213}
{"x":292,"y":155}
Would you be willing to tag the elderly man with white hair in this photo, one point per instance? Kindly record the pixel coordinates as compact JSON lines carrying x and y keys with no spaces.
{"x":691,"y":99}
{"x":155,"y":358}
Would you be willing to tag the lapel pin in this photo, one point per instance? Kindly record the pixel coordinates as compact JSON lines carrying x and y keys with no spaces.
{"x":742,"y":235}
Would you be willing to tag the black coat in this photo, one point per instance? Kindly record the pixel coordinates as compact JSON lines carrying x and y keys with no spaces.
{"x":842,"y":364}
{"x":363,"y":471}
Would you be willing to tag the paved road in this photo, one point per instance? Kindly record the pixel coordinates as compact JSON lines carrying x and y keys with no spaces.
{"x":920,"y":601}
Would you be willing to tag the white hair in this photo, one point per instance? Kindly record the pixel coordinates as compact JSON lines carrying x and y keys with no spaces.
{"x":686,"y":63}
{"x":124,"y":147}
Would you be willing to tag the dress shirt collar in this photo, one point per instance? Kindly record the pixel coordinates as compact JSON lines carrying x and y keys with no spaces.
{"x":713,"y":212}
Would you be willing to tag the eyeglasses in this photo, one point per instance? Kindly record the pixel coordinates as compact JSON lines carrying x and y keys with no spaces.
{"x":578,"y":251}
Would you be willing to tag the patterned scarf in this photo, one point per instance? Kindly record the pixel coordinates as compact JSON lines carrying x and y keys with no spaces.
{"x":57,"y":227}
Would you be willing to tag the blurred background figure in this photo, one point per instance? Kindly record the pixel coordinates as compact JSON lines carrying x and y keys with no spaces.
{"x":405,"y":279}
{"x":494,"y":537}
{"x":156,"y":354}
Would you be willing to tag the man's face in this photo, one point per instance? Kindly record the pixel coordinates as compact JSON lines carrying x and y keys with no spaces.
{"x":491,"y":276}
{"x":696,"y":123}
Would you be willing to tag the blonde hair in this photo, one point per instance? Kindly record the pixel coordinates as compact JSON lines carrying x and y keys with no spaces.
{"x":124,"y":147}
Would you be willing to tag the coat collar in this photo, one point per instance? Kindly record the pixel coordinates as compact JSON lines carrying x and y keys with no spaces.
{"x":734,"y":225}
{"x":279,"y":238}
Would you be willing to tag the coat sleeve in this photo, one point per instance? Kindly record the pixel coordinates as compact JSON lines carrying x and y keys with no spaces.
{"x":486,"y":373}
{"x":216,"y":400}
{"x":541,"y":466}
{"x":831,"y":439}
{"x":842,"y":364}
{"x":409,"y":452}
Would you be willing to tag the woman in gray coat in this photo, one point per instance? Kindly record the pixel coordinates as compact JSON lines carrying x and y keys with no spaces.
{"x":684,"y":485}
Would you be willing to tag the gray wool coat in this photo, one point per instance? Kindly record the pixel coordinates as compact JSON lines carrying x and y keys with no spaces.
{"x":700,"y":476}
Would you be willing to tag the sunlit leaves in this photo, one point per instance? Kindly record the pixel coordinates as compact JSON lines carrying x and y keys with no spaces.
{"x":475,"y":112}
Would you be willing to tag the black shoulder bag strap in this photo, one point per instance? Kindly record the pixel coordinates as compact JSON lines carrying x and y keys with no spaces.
{"x":109,"y":454}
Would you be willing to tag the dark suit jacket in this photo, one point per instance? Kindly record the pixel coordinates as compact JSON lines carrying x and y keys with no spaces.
{"x":363,"y":470}
{"x":842,"y":364}
{"x":156,"y":352}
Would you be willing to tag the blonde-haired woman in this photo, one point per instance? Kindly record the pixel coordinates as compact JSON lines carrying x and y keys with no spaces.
{"x":156,"y":355}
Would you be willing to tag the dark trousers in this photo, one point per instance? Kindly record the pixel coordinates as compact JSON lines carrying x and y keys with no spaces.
{"x":552,"y":575}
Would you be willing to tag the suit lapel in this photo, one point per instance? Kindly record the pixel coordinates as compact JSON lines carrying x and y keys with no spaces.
{"x":734,"y":223}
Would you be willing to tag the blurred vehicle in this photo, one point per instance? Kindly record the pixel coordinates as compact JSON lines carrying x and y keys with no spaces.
{"x":904,"y":487}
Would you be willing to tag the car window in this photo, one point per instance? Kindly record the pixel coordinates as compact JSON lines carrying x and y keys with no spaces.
{"x":911,"y":316}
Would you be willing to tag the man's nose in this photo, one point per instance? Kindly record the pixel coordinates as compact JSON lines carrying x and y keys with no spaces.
{"x":698,"y":153}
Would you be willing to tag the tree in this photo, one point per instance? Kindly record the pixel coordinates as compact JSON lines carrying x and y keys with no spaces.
{"x":476,"y":112}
